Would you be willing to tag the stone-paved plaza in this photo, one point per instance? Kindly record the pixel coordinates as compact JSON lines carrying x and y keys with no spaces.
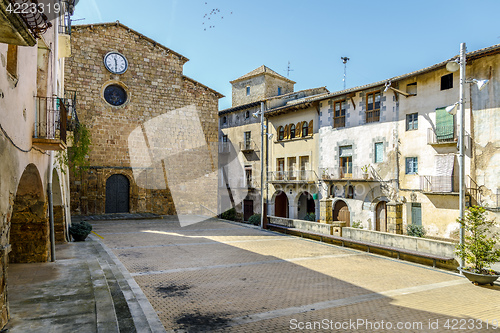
{"x":213,"y":275}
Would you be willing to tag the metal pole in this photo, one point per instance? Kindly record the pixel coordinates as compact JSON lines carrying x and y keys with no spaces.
{"x":262,"y":165}
{"x":461,"y":159}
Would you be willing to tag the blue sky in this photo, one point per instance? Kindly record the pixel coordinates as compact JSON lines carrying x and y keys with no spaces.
{"x":382,"y":38}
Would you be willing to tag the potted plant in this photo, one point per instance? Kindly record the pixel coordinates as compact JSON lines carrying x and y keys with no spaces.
{"x":365,"y":169}
{"x":479,"y":247}
{"x":80,"y":231}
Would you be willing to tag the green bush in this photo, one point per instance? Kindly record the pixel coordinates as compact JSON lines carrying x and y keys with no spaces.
{"x":229,"y":214}
{"x":254,"y":219}
{"x":357,"y":225}
{"x":479,"y":249}
{"x":310,"y":217}
{"x":415,"y":230}
{"x":80,"y":231}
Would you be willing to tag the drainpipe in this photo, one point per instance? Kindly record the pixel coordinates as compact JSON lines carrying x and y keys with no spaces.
{"x":51,"y":209}
{"x":262,"y":212}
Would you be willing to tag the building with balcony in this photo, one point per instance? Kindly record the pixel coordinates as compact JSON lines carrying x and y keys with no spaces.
{"x":153,"y":129}
{"x":240,"y":137}
{"x":35,"y":116}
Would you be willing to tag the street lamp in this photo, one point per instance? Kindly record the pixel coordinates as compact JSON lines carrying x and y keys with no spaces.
{"x":453,"y":66}
{"x":256,"y":115}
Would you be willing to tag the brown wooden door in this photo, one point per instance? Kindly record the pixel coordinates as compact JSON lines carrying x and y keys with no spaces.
{"x":341,"y":213}
{"x":281,"y":205}
{"x":381,"y":214}
{"x":247,"y":209}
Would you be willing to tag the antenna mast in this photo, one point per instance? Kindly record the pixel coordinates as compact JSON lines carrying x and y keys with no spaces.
{"x":288,"y":70}
{"x":345,"y":60}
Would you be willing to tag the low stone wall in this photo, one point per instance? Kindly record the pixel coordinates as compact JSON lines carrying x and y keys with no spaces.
{"x":322,"y":228}
{"x":401,"y":241}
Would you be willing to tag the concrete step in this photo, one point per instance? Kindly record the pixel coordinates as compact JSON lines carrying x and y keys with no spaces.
{"x":106,"y":320}
{"x":133,"y":310}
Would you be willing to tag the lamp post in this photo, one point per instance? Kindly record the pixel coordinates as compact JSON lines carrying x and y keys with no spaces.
{"x":453,"y":66}
{"x":256,"y":115}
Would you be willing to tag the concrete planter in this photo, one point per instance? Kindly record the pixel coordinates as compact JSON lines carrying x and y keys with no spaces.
{"x":479,"y":279}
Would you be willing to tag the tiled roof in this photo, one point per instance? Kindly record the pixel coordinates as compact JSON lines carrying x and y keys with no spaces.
{"x":262,"y":70}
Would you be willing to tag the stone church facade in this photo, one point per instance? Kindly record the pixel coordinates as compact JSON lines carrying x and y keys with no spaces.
{"x":153,"y":129}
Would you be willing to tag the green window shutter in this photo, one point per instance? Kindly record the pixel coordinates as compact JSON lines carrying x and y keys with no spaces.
{"x":416,"y":213}
{"x":445,"y":126}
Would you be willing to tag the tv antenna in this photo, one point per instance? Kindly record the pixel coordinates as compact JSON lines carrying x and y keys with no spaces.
{"x":344,"y":61}
{"x":288,"y":70}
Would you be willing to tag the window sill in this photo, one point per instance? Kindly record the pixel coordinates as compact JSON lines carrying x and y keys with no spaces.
{"x":294,"y":139}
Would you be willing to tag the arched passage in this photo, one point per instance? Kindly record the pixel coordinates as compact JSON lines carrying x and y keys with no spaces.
{"x":281,"y":205}
{"x":117,"y":194}
{"x":305,"y":205}
{"x":341,"y":213}
{"x":29,"y":231}
{"x":58,"y":204}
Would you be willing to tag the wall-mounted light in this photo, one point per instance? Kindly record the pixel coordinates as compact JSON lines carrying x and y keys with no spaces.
{"x":453,"y":65}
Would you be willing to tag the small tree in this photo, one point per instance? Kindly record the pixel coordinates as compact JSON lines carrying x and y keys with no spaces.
{"x":415,"y":230}
{"x":478,"y":249}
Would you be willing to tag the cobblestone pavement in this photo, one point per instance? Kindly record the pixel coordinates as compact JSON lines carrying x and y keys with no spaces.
{"x":219,"y":276}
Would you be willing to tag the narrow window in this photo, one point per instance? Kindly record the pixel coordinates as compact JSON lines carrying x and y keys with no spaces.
{"x":332,"y":191}
{"x":416,"y":213}
{"x":411,"y":165}
{"x":248,"y":91}
{"x":372,"y":107}
{"x":447,"y":81}
{"x":12,"y":60}
{"x":339,"y":114}
{"x":280,"y":168}
{"x":224,"y":120}
{"x":305,"y":129}
{"x":281,"y":133}
{"x":292,"y":131}
{"x":247,"y":114}
{"x":248,"y":176}
{"x":279,"y":91}
{"x":345,"y":161}
{"x":224,"y":138}
{"x":379,"y":152}
{"x":412,"y":121}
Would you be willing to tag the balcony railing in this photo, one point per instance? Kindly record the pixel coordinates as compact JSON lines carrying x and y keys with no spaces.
{"x":441,"y":135}
{"x":247,"y":146}
{"x":351,"y":172}
{"x":438,"y":184}
{"x":294,"y":176}
{"x":54,"y":116}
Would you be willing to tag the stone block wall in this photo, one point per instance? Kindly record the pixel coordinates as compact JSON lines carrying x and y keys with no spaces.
{"x":163,"y":139}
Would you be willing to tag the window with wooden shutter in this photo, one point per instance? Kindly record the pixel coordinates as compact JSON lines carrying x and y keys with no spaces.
{"x":310,"y":130}
{"x":287,"y":134}
{"x":298,"y":130}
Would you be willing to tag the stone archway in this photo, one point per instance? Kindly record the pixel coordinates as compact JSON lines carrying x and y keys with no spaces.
{"x":29,"y":231}
{"x":341,"y":212}
{"x":281,"y":204}
{"x":305,"y":205}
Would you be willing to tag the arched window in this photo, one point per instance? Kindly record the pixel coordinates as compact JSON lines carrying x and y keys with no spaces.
{"x":332,"y":191}
{"x":224,"y":120}
{"x":281,"y":133}
{"x":350,"y":192}
{"x":311,"y":128}
{"x":292,"y":131}
{"x":305,"y":129}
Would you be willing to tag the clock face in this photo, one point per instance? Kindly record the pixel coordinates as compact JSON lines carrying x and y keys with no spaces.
{"x":116,"y":63}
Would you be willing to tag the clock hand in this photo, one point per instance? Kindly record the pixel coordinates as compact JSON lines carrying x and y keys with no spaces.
{"x":116,"y":64}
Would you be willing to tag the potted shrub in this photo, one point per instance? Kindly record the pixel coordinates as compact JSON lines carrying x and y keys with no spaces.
{"x":80,"y":231}
{"x":479,"y":249}
{"x":365,"y":169}
{"x":254,"y":219}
